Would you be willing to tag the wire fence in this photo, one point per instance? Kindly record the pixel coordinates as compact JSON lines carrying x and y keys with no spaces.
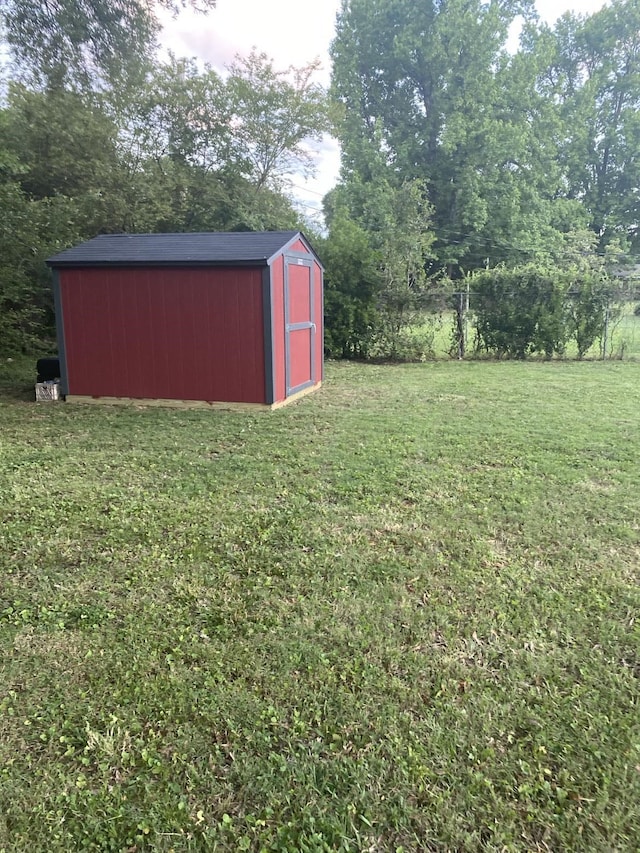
{"x":450,"y":332}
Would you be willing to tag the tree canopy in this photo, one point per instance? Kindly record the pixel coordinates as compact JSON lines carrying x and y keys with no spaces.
{"x":83,"y":42}
{"x":518,"y":153}
{"x":516,"y":149}
{"x":99,"y":135}
{"x":459,"y":153}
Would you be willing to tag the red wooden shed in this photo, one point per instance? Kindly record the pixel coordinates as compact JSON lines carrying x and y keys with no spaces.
{"x":214,"y":318}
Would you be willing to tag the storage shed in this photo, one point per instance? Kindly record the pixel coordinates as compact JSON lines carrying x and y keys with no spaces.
{"x":230,"y":318}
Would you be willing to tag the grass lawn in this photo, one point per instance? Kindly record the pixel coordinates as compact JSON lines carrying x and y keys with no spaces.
{"x":400,"y":615}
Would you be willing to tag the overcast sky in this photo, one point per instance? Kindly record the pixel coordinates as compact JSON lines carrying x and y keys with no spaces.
{"x":292,"y":33}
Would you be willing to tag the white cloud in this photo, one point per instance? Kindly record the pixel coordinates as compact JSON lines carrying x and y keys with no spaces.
{"x":551,"y":10}
{"x":286,"y":30}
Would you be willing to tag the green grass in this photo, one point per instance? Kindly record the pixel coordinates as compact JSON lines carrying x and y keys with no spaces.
{"x":401,"y":615}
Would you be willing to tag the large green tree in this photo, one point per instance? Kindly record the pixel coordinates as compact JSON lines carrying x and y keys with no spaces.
{"x":83,"y":42}
{"x":226,"y":145}
{"x":275,"y":117}
{"x":516,"y":150}
{"x":66,"y":143}
{"x":30,"y":230}
{"x":593,"y":75}
{"x":395,"y":215}
{"x":352,"y":286}
{"x":432,"y":86}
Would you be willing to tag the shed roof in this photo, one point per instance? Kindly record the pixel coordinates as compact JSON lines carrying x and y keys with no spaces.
{"x":200,"y":249}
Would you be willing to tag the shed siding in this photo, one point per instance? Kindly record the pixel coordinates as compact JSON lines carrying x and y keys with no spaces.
{"x":300,"y":286}
{"x":277,"y":272}
{"x":167,"y":333}
{"x":318,"y":289}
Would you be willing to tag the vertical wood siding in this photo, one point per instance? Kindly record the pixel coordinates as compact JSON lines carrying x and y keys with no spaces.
{"x":319,"y":316}
{"x":185,"y":334}
{"x":277,"y":272}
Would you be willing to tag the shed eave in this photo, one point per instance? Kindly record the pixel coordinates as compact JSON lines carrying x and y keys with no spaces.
{"x":176,"y":264}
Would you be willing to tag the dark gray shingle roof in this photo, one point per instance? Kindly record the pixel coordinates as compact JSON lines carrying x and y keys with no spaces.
{"x":219,"y":247}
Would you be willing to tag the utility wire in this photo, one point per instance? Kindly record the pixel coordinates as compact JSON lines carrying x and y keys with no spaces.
{"x":307,"y":190}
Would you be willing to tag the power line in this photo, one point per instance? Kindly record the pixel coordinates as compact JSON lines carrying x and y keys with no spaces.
{"x":307,"y":190}
{"x":315,"y":210}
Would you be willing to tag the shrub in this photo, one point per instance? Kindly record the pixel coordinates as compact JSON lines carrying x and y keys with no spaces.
{"x":537,"y":309}
{"x":352,"y":282}
{"x":589,"y":306}
{"x":520,"y":311}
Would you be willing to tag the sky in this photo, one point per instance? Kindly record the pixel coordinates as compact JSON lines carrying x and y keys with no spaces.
{"x":273,"y":27}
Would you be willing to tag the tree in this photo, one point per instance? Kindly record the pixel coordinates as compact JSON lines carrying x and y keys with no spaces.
{"x":180,"y":113}
{"x":66,"y":143}
{"x":396,"y":216}
{"x":191,"y":132}
{"x":588,"y":312}
{"x":516,"y":150}
{"x":20,"y":315}
{"x":31,"y":229}
{"x":275,"y":116}
{"x":521,"y":310}
{"x":594,"y":77}
{"x":82,"y":42}
{"x":404,"y":248}
{"x":434,"y":83}
{"x":352,"y":283}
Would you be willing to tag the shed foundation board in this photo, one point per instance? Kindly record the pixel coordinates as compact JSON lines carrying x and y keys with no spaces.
{"x":293,"y":397}
{"x":190,"y":404}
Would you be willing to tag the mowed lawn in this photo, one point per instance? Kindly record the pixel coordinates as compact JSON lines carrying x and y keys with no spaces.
{"x":400,"y":615}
